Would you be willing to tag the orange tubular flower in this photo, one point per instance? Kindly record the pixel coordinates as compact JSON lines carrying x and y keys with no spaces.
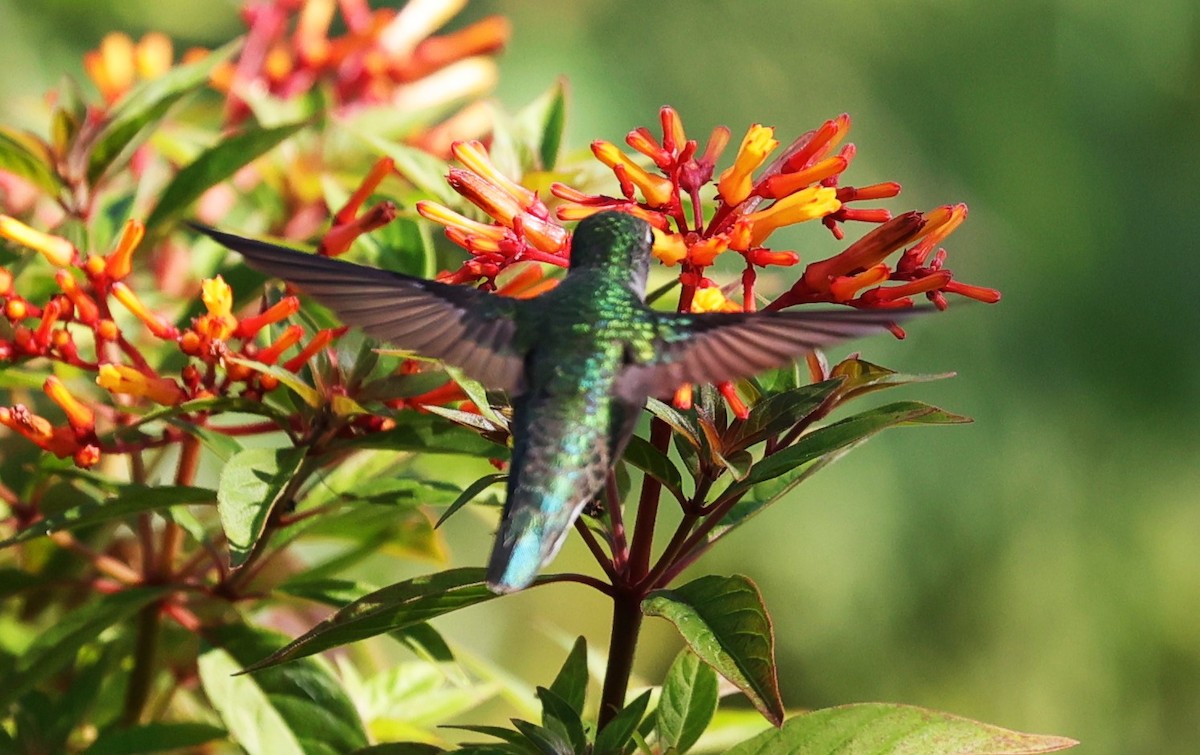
{"x":86,"y":310}
{"x":217,"y":296}
{"x":57,"y":250}
{"x":119,"y":378}
{"x":59,"y":441}
{"x":285,"y":307}
{"x":120,"y":262}
{"x":379,"y":171}
{"x":79,"y":415}
{"x":657,"y":190}
{"x":289,"y":338}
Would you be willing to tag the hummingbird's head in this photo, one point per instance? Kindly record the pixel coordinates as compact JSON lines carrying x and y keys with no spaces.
{"x":615,"y":242}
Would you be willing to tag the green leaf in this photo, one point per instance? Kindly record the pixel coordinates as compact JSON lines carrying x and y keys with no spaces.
{"x":643,"y":455}
{"x":423,"y":170}
{"x":688,"y":702}
{"x":571,"y":682}
{"x":14,"y":581}
{"x":129,"y":500}
{"x":884,"y":729}
{"x":27,"y":157}
{"x":679,"y":422}
{"x":471,"y":492}
{"x":133,"y":119}
{"x":392,"y":608}
{"x":56,"y":647}
{"x":832,"y":437}
{"x":250,"y":486}
{"x":559,"y":716}
{"x":542,"y":121}
{"x":777,"y":413}
{"x":291,"y":380}
{"x":545,"y":741}
{"x":724,"y":622}
{"x":428,"y":433}
{"x":298,"y":709}
{"x":616,"y":737}
{"x":862,"y":377}
{"x":400,"y":748}
{"x":154,"y":737}
{"x":214,"y":165}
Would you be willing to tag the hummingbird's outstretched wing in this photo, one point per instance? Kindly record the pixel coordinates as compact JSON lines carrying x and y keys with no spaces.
{"x":710,"y":348}
{"x":471,"y":329}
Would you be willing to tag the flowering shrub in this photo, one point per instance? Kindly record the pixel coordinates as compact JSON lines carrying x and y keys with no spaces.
{"x":179,"y":429}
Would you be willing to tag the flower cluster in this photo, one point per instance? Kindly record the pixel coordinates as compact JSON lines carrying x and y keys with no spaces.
{"x":384,"y":56}
{"x":81,"y":313}
{"x":748,"y":204}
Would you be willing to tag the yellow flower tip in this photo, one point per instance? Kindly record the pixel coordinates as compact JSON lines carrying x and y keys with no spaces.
{"x":939,"y":223}
{"x":474,"y":157}
{"x":544,"y":235}
{"x":129,"y":300}
{"x":735,"y":183}
{"x":683,"y":397}
{"x":669,"y":248}
{"x":706,"y":251}
{"x":414,"y":22}
{"x":153,"y":55}
{"x":78,"y":414}
{"x":712,"y":299}
{"x":846,"y":287}
{"x":806,"y":204}
{"x":120,"y":262}
{"x":57,"y":250}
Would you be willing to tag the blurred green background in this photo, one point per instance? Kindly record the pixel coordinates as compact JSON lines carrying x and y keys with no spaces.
{"x":1039,"y":569}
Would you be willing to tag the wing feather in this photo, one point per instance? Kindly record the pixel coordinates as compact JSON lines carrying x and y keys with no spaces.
{"x":471,"y":329}
{"x":695,"y":348}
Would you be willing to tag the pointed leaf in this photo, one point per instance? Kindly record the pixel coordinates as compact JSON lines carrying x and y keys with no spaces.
{"x":56,"y":647}
{"x":777,"y":413}
{"x":617,"y":735}
{"x":688,"y":702}
{"x":154,"y":737}
{"x":542,"y":122}
{"x":678,"y":421}
{"x":129,"y":500}
{"x":425,"y":432}
{"x":26,"y":156}
{"x":862,"y":377}
{"x":883,"y":729}
{"x":250,"y":486}
{"x":392,"y":608}
{"x":133,"y":119}
{"x":545,"y":741}
{"x":298,"y":709}
{"x":832,"y":437}
{"x":724,"y":622}
{"x":471,"y":492}
{"x":571,"y":682}
{"x":558,"y":716}
{"x":213,"y":166}
{"x":643,"y":455}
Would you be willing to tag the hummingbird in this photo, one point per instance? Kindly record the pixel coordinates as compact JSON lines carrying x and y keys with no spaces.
{"x":577,"y":362}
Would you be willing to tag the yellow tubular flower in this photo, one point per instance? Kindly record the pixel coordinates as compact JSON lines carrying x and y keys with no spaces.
{"x":119,"y":378}
{"x":218,"y":299}
{"x":451,"y":219}
{"x":129,"y":300}
{"x":806,"y":204}
{"x":735,"y":184}
{"x":669,"y":248}
{"x":153,"y":55}
{"x":713,"y":300}
{"x":57,"y":250}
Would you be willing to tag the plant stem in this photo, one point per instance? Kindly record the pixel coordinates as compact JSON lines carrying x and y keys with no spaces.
{"x":647,"y":514}
{"x":627,"y":620}
{"x":142,"y":676}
